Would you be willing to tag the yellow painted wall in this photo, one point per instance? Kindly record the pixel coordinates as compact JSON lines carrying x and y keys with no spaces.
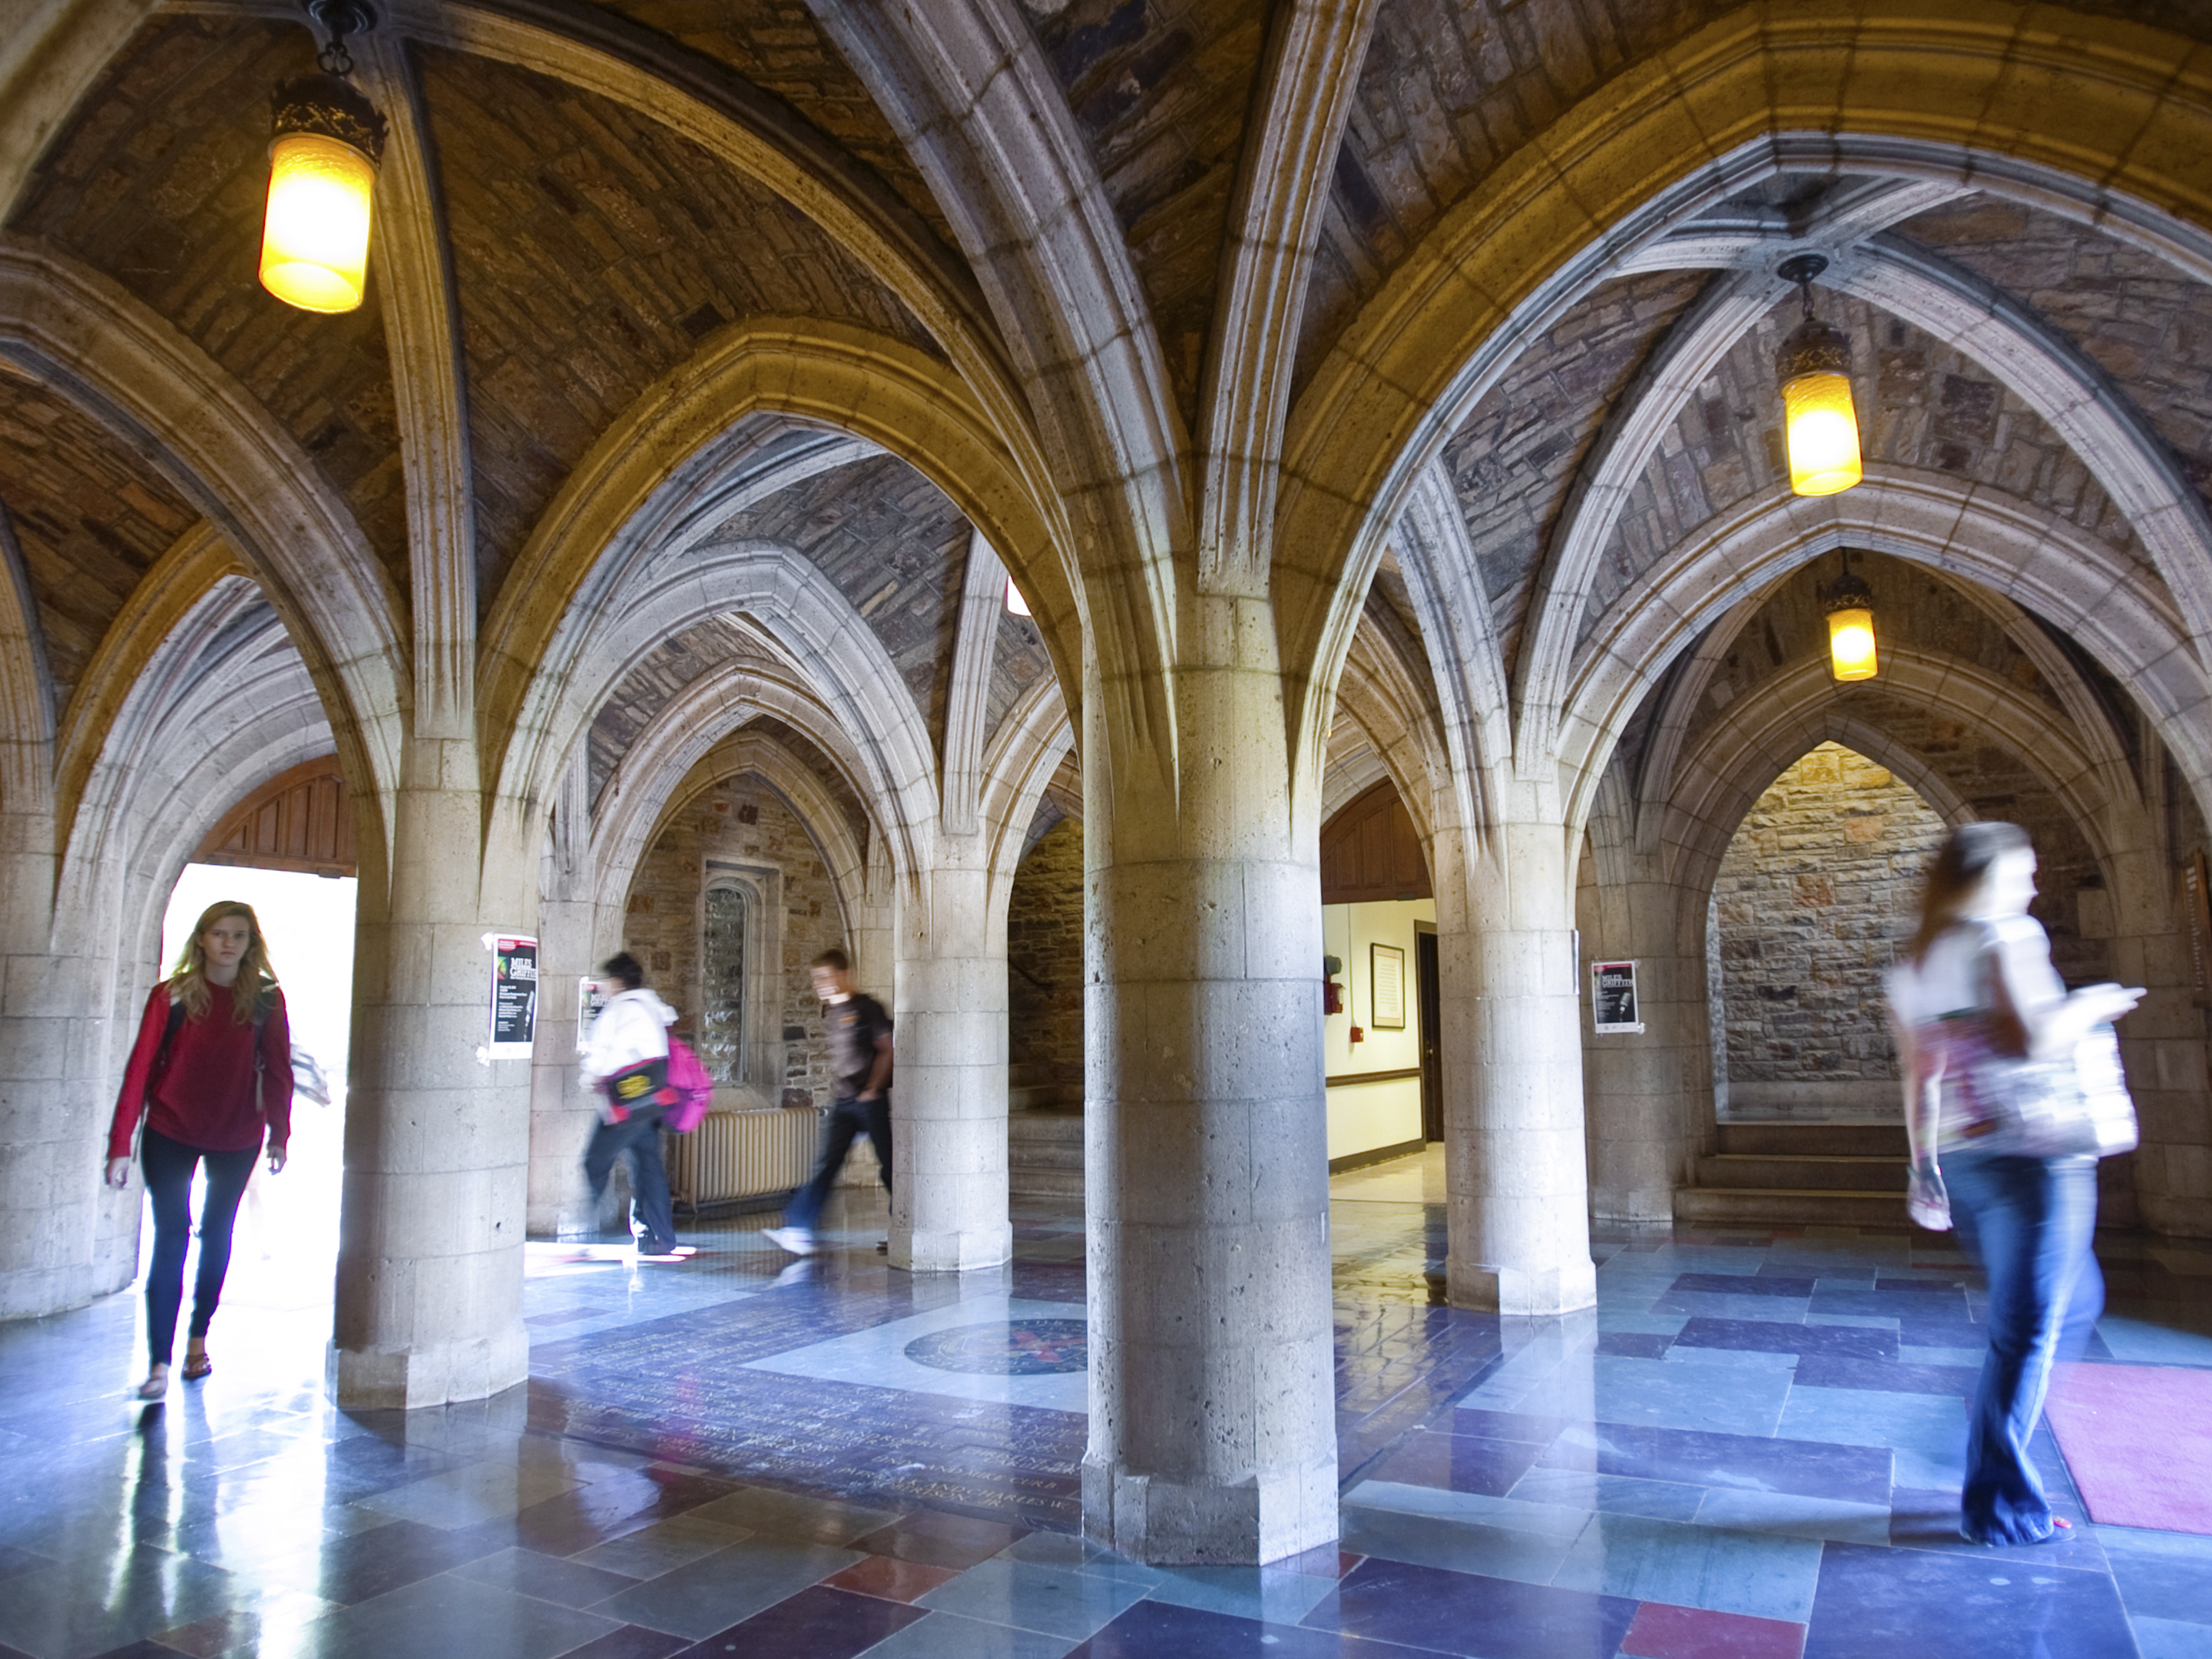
{"x":1366,"y":1115}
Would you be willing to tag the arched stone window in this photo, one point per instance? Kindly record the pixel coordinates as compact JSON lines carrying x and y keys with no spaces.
{"x":722,"y":982}
{"x":740,"y":976}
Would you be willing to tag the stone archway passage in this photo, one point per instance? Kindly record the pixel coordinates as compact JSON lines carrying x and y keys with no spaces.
{"x":1816,"y":888}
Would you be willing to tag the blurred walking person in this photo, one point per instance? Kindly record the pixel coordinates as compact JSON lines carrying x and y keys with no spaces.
{"x":1975,"y":1002}
{"x":626,"y":1059}
{"x":859,"y":1032}
{"x":210,"y":1076}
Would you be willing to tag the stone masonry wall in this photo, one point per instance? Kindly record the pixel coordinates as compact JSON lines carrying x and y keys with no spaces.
{"x":1045,"y":957}
{"x":1819,"y":884}
{"x":662,"y":927}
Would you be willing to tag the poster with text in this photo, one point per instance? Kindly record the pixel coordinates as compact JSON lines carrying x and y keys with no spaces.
{"x":1613,"y":997}
{"x":590,"y":998}
{"x":513,"y":995}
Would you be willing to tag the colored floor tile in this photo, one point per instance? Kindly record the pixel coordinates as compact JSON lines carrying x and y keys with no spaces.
{"x":1661,"y":1631}
{"x":450,"y":1617}
{"x":948,"y":1636}
{"x":820,"y":1623}
{"x":657,"y":1489}
{"x":1993,"y":1604}
{"x":1759,"y":1574}
{"x":1481,"y":1618}
{"x":1051,"y":1600}
{"x":1809,"y":1468}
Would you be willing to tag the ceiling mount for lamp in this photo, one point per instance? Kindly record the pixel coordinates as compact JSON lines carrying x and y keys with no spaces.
{"x":326,"y":141}
{"x":1814,"y":369}
{"x":1849,"y":603}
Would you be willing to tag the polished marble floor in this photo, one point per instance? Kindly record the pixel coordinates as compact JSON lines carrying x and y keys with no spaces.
{"x":1749,"y":1451}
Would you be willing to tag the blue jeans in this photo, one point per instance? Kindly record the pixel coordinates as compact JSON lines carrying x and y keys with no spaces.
{"x":2029,"y":1222}
{"x":169,"y":1185}
{"x":637,"y":1137}
{"x":848,"y":1119}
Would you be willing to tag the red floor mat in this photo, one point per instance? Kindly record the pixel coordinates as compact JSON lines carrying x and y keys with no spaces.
{"x":2138,"y":1439}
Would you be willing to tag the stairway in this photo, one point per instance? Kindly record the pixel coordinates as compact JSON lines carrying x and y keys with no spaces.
{"x":1830,"y":1174}
{"x":1044,"y":1135}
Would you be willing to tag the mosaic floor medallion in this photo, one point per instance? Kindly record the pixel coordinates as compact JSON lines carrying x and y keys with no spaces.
{"x":1022,"y":1347}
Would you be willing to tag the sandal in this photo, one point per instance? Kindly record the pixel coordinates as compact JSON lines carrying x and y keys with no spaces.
{"x":196,"y":1366}
{"x":154,"y":1386}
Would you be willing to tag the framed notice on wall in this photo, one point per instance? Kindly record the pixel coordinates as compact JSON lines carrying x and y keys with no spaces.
{"x":1386,"y":987}
{"x":514,"y":996}
{"x":1613,"y":997}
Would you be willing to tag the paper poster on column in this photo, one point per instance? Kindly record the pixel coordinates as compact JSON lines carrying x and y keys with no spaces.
{"x":513,"y":995}
{"x":1613,"y":997}
{"x":590,"y":998}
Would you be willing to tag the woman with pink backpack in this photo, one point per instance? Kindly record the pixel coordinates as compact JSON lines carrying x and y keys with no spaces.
{"x":627,"y":1056}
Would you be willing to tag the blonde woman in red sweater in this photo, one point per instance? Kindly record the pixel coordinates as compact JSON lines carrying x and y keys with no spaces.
{"x":211,"y":1074}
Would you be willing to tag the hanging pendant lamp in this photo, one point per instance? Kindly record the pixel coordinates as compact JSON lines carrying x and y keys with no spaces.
{"x":1814,"y":368}
{"x":1849,"y":605}
{"x":322,"y":176}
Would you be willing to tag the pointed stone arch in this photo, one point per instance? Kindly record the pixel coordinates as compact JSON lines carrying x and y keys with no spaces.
{"x":2095,"y":593}
{"x":676,"y":464}
{"x":2093,"y":116}
{"x":78,"y":329}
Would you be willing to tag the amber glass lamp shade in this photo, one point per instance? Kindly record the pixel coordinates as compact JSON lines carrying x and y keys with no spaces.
{"x":1850,"y":643}
{"x":322,"y":181}
{"x":1823,"y":429}
{"x":314,"y":236}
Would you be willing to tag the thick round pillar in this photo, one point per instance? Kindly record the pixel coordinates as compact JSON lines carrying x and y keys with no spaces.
{"x":1514,"y":1145}
{"x":1212,"y":1411}
{"x":429,"y":1278}
{"x":1641,"y":1085}
{"x":561,"y":1113}
{"x":949,"y":1134}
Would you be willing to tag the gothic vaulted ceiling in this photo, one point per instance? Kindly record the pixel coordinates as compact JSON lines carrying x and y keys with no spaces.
{"x":619,"y":192}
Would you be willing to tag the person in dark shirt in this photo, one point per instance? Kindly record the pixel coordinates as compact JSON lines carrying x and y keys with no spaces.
{"x":211,"y":1074}
{"x":859,"y":1032}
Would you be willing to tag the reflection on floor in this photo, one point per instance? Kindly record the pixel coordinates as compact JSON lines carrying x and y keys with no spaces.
{"x":1750,"y":1449}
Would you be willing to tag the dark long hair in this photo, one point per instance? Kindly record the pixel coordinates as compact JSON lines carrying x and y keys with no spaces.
{"x":1959,"y":868}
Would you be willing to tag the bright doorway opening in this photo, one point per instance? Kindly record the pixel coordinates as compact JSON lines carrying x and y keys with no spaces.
{"x":287,"y":1236}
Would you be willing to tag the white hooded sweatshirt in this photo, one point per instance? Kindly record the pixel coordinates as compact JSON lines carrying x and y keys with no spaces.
{"x":631,"y":1028}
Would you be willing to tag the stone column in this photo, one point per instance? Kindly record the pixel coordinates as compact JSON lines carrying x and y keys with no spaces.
{"x":949,"y":1137}
{"x":561,"y":1113}
{"x":1512,"y":1056}
{"x":1212,"y":1421}
{"x":2163,"y":1045}
{"x":430,"y":1279}
{"x":53,"y":1122}
{"x":1641,"y":1089}
{"x":53,"y":1032}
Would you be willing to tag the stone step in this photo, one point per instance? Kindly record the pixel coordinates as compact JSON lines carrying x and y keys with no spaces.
{"x":1033,"y":1128}
{"x":1023,"y":1182}
{"x":1045,"y":1155}
{"x":1788,"y":1206}
{"x":1803,"y":1172}
{"x":1814,"y":1140}
{"x":1044,"y":1097}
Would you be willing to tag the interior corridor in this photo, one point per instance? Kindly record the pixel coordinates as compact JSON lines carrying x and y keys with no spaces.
{"x":1750,"y":1447}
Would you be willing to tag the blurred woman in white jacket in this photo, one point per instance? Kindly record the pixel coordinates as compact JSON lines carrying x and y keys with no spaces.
{"x":626,"y":1058}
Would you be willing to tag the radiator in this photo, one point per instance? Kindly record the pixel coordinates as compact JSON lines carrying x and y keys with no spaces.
{"x":734,"y":1155}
